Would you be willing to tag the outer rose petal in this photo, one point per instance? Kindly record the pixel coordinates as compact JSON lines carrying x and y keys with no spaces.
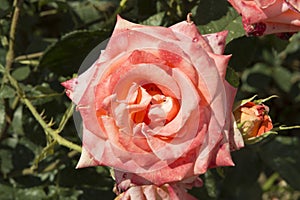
{"x":217,"y":41}
{"x":70,"y":86}
{"x":185,"y":66}
{"x":261,"y":17}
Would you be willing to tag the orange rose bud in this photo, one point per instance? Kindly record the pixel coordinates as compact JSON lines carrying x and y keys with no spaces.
{"x":253,"y":119}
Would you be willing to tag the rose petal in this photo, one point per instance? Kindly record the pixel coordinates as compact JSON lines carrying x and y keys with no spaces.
{"x":250,"y":11}
{"x":183,"y":125}
{"x":92,"y":151}
{"x":280,"y":28}
{"x":286,"y":17}
{"x":86,"y":159}
{"x":295,"y":4}
{"x":217,"y":41}
{"x":190,"y":31}
{"x":264,"y":3}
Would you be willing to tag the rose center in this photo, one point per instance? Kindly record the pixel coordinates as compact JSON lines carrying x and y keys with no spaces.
{"x":160,"y":110}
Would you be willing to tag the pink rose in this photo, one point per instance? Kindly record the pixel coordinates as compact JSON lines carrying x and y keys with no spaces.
{"x":253,"y":119}
{"x":261,"y":17}
{"x":156,"y":103}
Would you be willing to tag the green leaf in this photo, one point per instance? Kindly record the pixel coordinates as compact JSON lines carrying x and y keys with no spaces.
{"x":21,"y":73}
{"x":282,"y":155}
{"x":232,"y":77}
{"x":243,"y":51}
{"x":293,"y":45}
{"x":2,"y":116}
{"x":6,"y":164}
{"x":4,"y":5}
{"x":6,"y":192}
{"x":17,"y":122}
{"x":40,"y":94}
{"x":94,"y":10}
{"x":241,"y":180}
{"x":30,"y":193}
{"x":231,"y":21}
{"x":7,"y":92}
{"x":64,"y":193}
{"x":282,"y":77}
{"x":257,"y":78}
{"x":155,"y":20}
{"x":65,"y":56}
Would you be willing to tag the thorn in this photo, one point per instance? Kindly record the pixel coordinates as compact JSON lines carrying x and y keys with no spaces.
{"x":188,"y":18}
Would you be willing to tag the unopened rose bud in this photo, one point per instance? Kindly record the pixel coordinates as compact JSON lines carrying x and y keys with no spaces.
{"x":253,"y":119}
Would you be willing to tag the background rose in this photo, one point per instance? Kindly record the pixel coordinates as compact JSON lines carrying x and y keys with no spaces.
{"x":262,"y":17}
{"x":156,"y":103}
{"x":253,"y":119}
{"x":153,"y":192}
{"x":126,"y":189}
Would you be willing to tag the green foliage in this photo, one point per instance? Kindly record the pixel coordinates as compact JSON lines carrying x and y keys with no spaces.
{"x":73,"y":48}
{"x":281,"y":155}
{"x":231,"y":22}
{"x":52,"y":39}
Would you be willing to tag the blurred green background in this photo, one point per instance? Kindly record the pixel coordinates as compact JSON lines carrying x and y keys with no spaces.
{"x":52,"y":39}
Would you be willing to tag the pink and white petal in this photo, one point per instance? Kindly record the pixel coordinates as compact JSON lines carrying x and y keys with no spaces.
{"x":214,"y":96}
{"x":153,"y":192}
{"x":217,"y":41}
{"x":295,"y":4}
{"x":182,"y":128}
{"x":223,"y":156}
{"x":264,"y":3}
{"x":120,"y":156}
{"x":287,"y":17}
{"x":190,"y":31}
{"x":250,"y":11}
{"x":280,"y":28}
{"x":92,"y":149}
{"x":86,"y":159}
{"x":88,"y":113}
{"x":83,"y":82}
{"x":170,"y":173}
{"x":123,"y":25}
{"x":70,"y":87}
{"x":179,"y":193}
{"x":143,"y":74}
{"x":134,"y":193}
{"x":221,"y":63}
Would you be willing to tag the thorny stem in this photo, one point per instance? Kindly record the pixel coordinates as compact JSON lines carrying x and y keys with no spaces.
{"x":46,"y":126}
{"x":54,"y":133}
{"x":12,"y":35}
{"x":9,"y":63}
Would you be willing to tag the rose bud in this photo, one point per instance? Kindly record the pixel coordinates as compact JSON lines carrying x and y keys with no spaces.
{"x":253,"y":120}
{"x":261,"y":17}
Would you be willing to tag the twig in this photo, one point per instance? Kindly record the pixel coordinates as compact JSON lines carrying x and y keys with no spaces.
{"x":29,"y":56}
{"x":9,"y":63}
{"x":48,"y":130}
{"x":12,"y":35}
{"x":122,"y":5}
{"x":270,"y":182}
{"x":46,"y":126}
